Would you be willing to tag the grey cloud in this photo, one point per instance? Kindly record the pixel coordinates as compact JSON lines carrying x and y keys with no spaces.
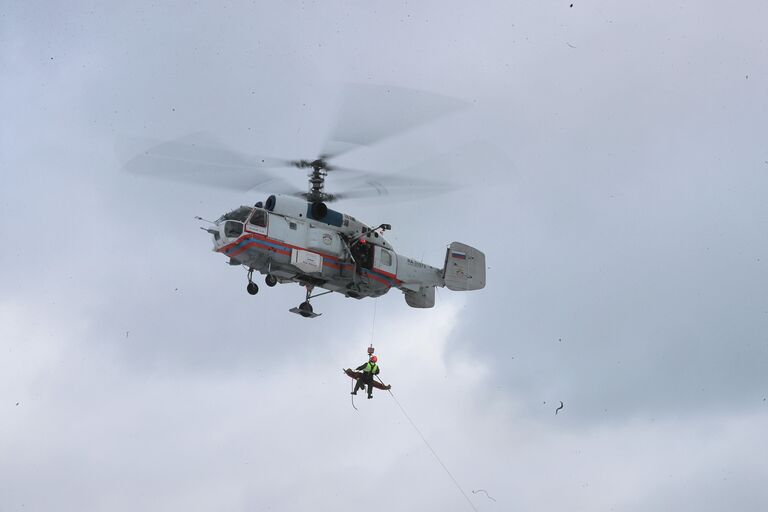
{"x":623,"y":213}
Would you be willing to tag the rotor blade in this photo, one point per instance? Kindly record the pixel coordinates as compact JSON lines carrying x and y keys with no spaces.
{"x":458,"y":164}
{"x":379,"y":190}
{"x":371,"y":113}
{"x":337,"y":168}
{"x":200,"y":159}
{"x":392,"y":180}
{"x":392,"y":186}
{"x":334,"y":148}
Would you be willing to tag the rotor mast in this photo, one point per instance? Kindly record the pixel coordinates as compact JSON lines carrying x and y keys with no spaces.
{"x":316,"y":178}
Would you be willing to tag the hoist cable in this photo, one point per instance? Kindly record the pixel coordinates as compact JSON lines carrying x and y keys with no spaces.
{"x":434,"y":453}
{"x":373,"y":324}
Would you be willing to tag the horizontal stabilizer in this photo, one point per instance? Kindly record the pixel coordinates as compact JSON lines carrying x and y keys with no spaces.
{"x":464,"y":268}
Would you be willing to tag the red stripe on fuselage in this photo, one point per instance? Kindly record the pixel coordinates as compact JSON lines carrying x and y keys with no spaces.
{"x":379,"y":279}
{"x":253,"y":241}
{"x":383,"y":272}
{"x":250,"y":244}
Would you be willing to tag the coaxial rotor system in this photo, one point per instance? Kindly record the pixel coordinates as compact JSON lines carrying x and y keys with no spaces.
{"x":200,"y":158}
{"x":319,"y":170}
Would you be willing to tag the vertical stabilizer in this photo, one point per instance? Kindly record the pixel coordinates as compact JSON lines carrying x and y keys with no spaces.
{"x":464,"y":268}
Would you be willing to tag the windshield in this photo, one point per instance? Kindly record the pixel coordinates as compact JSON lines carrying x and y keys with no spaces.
{"x":239,"y":214}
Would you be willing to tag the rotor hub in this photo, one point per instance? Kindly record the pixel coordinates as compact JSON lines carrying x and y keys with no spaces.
{"x":319,"y":164}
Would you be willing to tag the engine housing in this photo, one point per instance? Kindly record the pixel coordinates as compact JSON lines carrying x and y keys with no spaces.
{"x":286,"y":205}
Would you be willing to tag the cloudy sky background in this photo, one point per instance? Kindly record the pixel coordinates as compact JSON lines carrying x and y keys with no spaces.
{"x":621,"y":203}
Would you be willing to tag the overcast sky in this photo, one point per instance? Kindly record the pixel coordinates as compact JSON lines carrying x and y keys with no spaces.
{"x":613,"y":164}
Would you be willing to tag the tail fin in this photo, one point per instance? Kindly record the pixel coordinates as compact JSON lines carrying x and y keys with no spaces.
{"x":464,"y":268}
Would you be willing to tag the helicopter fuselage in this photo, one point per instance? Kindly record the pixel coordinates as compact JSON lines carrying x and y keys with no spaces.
{"x":284,"y":239}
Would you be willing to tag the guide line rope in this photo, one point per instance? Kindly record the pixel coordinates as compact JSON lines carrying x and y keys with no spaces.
{"x":434,"y":453}
{"x":352,"y":394}
{"x":399,"y":405}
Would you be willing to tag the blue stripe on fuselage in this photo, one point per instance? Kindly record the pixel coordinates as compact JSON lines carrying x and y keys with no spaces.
{"x":245,"y":241}
{"x":257,"y":240}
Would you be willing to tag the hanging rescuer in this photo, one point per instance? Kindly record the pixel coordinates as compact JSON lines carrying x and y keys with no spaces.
{"x":365,"y":373}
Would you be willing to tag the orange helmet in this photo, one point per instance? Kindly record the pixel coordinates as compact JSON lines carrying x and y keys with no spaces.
{"x":374,"y":359}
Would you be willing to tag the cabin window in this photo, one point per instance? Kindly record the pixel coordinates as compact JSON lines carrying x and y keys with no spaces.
{"x":292,"y":225}
{"x":259,"y":218}
{"x":386,"y":258}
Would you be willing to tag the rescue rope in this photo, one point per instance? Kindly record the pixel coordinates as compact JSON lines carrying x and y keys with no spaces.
{"x":434,"y":453}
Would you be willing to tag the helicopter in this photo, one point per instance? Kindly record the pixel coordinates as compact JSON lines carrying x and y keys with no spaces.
{"x":294,"y":237}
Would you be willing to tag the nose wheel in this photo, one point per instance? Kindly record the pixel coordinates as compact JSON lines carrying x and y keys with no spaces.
{"x":252,"y":287}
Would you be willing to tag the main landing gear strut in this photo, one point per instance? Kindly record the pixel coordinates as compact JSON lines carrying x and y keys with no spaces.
{"x":252,"y":287}
{"x":305,"y":308}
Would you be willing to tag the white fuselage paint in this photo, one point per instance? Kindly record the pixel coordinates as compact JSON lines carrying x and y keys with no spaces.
{"x":350,"y":258}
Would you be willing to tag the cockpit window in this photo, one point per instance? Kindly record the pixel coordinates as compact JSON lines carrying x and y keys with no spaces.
{"x":233,"y":229}
{"x":259,"y":218}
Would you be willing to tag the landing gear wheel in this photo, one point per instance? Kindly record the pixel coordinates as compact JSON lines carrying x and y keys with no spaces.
{"x":305,"y":309}
{"x":271,"y":280}
{"x":252,"y":288}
